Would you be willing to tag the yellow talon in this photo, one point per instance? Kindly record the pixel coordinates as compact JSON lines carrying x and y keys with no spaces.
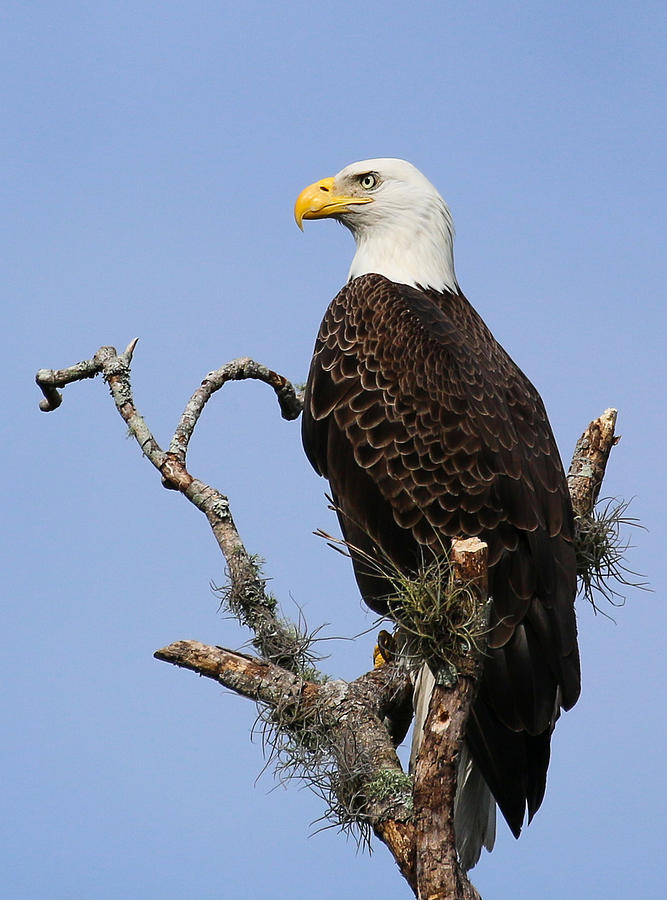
{"x":383,"y":649}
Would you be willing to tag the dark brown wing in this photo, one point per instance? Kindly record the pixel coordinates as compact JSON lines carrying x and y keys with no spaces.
{"x":426,"y":430}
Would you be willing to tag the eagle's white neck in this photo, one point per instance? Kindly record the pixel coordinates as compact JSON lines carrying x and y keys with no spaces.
{"x":410,"y":249}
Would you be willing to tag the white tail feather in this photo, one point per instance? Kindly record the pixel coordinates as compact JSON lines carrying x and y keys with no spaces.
{"x":474,"y":811}
{"x":474,"y":806}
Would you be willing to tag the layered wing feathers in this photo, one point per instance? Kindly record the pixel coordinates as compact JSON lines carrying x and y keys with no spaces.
{"x":427,"y":431}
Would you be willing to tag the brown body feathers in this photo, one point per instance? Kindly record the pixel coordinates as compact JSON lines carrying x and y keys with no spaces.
{"x":426,"y":430}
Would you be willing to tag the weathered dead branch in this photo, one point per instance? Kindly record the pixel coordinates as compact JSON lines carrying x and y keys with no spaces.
{"x":589,"y":462}
{"x":255,"y":607}
{"x":601,"y":539}
{"x":344,"y":721}
{"x":439,"y":875}
{"x":344,"y":718}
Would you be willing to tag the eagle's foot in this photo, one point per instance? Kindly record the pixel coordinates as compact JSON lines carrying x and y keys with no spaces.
{"x":385,"y":649}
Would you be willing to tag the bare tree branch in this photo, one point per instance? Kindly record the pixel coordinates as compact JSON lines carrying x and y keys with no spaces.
{"x":347,"y":718}
{"x":291,"y":403}
{"x":342,"y":724}
{"x":589,"y":462}
{"x":439,"y":875}
{"x":254,"y":678}
{"x":248,"y":597}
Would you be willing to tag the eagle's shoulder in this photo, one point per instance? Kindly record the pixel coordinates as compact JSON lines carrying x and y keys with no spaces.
{"x":446,"y":425}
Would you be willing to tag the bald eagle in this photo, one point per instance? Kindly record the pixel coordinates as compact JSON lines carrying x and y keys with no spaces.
{"x":427,"y":430}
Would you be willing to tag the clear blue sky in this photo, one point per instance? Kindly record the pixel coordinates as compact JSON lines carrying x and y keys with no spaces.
{"x":152,"y":153}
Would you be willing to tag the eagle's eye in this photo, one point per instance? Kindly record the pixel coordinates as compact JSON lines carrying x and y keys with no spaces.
{"x":368,"y":181}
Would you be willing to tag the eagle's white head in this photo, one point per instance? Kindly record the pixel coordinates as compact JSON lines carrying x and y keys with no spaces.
{"x":401,"y":224}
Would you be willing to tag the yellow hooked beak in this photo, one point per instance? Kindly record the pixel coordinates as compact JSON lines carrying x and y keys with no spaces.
{"x":320,"y":200}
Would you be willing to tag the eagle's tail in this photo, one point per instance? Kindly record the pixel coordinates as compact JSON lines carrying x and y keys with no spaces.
{"x":474,"y":806}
